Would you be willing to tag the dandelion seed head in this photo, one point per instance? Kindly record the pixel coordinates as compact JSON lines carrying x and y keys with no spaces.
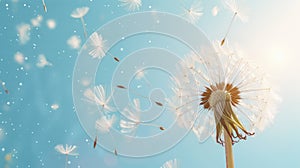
{"x":193,"y":13}
{"x":130,"y":124}
{"x":127,"y":127}
{"x":98,"y":97}
{"x":170,"y":164}
{"x":235,"y":9}
{"x":68,"y":150}
{"x":97,"y":45}
{"x":42,"y":61}
{"x":79,"y":12}
{"x":234,"y":94}
{"x":104,"y":124}
{"x":131,"y":5}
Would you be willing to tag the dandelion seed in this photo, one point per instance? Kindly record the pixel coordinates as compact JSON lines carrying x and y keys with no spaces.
{"x":54,"y":106}
{"x":193,"y":13}
{"x":19,"y":58}
{"x":158,"y":103}
{"x":131,"y":5}
{"x":44,"y":5}
{"x":36,"y":22}
{"x":116,"y":59}
{"x":233,"y":97}
{"x":215,"y":10}
{"x":140,"y":74}
{"x":133,"y":116}
{"x":121,"y":86}
{"x":74,"y":42}
{"x":182,"y":119}
{"x":104,"y":124}
{"x":98,"y":97}
{"x":68,"y":151}
{"x":139,"y":95}
{"x":24,"y":33}
{"x":170,"y":164}
{"x":79,"y":13}
{"x":98,"y":47}
{"x":233,"y":7}
{"x":51,"y":24}
{"x":95,"y":142}
{"x":42,"y":61}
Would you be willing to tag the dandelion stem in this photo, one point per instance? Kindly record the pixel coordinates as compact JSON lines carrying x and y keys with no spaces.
{"x":114,"y":143}
{"x":44,"y":5}
{"x":66,"y":164}
{"x":150,"y":125}
{"x":140,"y":95}
{"x":228,"y":150}
{"x":83,"y":25}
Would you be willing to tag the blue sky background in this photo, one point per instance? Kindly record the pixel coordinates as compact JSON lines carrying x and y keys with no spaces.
{"x":30,"y":129}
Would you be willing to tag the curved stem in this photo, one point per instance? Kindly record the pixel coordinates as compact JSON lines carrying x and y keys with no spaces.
{"x":83,"y":25}
{"x":228,"y":150}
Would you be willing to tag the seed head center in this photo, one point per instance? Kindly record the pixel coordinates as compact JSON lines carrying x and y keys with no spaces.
{"x":218,"y":96}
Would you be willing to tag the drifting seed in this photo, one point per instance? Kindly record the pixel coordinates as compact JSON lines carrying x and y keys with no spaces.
{"x":158,"y":103}
{"x":222,"y":42}
{"x":121,"y":86}
{"x":95,"y":142}
{"x":117,"y":59}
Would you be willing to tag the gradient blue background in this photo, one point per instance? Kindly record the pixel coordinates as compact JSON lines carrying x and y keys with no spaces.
{"x":32,"y":129}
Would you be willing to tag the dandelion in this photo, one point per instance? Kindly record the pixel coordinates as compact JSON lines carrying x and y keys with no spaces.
{"x":51,"y":23}
{"x":78,"y":13}
{"x":130,"y":126}
{"x":36,"y":22}
{"x":44,"y":5}
{"x":68,"y":151}
{"x":99,"y":97}
{"x":74,"y":42}
{"x":193,"y":13}
{"x":104,"y":125}
{"x":131,"y":5}
{"x":170,"y":164}
{"x":233,"y":7}
{"x":98,"y":47}
{"x":42,"y":61}
{"x":19,"y":58}
{"x":24,"y":32}
{"x":233,"y":97}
